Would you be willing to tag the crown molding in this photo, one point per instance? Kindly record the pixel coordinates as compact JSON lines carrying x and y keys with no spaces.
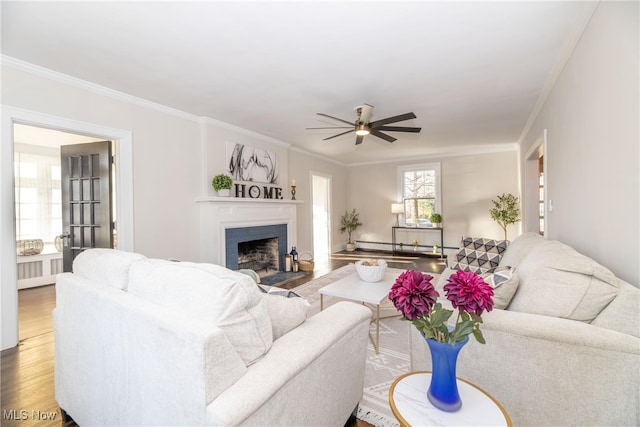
{"x":217,"y":123}
{"x":555,"y":73}
{"x":36,"y":70}
{"x":318,"y":156}
{"x":55,"y":76}
{"x":458,"y":152}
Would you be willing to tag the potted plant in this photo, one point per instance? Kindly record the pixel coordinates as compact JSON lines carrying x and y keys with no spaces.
{"x":505,"y":211}
{"x":222,"y":184}
{"x":435,"y":219}
{"x":349,"y":222}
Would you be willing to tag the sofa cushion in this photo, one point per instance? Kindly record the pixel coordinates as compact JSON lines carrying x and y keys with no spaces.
{"x":504,"y":281}
{"x":108,"y":267}
{"x":479,"y":255}
{"x":519,"y":248}
{"x":556,"y":280}
{"x":285,"y":313}
{"x":208,"y":293}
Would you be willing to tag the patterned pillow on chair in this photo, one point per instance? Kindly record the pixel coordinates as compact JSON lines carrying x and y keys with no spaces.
{"x":479,"y":255}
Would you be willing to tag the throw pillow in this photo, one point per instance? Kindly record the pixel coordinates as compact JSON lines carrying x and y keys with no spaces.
{"x":479,"y":255}
{"x":255,"y":276}
{"x":558,"y":281}
{"x":504,"y":281}
{"x":286,"y":313}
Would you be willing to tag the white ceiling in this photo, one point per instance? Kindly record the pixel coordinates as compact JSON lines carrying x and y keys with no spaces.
{"x":472,"y":72}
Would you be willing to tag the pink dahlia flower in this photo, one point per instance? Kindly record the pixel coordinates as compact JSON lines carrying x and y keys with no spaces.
{"x":469,"y":292}
{"x":413,"y":294}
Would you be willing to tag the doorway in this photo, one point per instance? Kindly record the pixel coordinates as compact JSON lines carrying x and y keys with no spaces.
{"x":39,"y":183}
{"x":536,"y":203}
{"x":123,"y":142}
{"x":321,"y":207}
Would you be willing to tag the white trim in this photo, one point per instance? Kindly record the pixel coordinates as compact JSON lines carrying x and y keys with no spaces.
{"x":123,"y":140}
{"x":56,"y":76}
{"x":458,"y":152}
{"x":316,"y":155}
{"x":217,"y":123}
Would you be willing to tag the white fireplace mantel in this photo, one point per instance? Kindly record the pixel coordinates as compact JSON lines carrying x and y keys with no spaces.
{"x":220,"y":213}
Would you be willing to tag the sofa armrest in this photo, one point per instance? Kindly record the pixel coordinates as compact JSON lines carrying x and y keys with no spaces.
{"x":550,"y":371}
{"x":313,"y":375}
{"x":121,"y":360}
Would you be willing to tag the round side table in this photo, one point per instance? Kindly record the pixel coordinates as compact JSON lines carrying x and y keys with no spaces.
{"x":411,"y":407}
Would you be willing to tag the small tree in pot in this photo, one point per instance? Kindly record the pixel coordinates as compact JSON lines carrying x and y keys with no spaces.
{"x":505,"y":211}
{"x":349,"y":222}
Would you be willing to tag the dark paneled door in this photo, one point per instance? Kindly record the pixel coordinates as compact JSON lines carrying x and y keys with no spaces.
{"x":86,"y":199}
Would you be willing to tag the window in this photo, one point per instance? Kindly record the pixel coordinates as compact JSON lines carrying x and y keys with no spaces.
{"x":38,"y":196}
{"x":420,"y":192}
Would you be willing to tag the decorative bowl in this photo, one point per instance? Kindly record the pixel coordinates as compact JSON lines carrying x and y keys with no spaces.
{"x":371,"y":270}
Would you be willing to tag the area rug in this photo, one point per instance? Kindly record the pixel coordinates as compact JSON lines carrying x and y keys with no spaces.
{"x":278,"y":279}
{"x":381,"y":369}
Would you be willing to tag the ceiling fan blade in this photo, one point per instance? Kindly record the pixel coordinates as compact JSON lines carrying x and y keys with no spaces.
{"x":331,"y":127}
{"x":335,"y":118}
{"x":375,"y":132}
{"x":400,"y":118}
{"x":359,"y":139}
{"x":399,"y":129}
{"x":340,"y":134}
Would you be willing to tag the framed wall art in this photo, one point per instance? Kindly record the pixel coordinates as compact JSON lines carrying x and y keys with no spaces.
{"x":246,"y":163}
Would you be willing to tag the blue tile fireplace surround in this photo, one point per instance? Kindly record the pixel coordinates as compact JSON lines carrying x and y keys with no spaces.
{"x":236,"y":236}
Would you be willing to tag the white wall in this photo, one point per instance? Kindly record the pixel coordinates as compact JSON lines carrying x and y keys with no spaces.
{"x":165,"y":149}
{"x":469,"y":183}
{"x":175,"y":155}
{"x":592,"y":117}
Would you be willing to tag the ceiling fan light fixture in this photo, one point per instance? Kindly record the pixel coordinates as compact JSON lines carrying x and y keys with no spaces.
{"x":362,"y":130}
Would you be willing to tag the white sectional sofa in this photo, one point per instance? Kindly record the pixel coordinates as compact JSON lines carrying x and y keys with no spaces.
{"x":151,"y":342}
{"x":565,"y":351}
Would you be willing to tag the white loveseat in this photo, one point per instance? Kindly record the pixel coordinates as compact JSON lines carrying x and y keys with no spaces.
{"x":565,"y":351}
{"x":151,"y":342}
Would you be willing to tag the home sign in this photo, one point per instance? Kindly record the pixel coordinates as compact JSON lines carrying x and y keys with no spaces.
{"x":257,"y":191}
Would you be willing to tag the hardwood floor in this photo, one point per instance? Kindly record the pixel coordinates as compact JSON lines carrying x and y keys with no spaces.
{"x":27,"y":391}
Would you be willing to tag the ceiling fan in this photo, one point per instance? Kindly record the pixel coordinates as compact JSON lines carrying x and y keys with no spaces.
{"x":363,"y":126}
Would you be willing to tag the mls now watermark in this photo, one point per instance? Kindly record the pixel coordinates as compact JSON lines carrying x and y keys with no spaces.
{"x":24,"y":415}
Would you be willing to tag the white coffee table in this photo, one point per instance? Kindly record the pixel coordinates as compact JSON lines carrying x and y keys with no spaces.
{"x":354,"y":289}
{"x":410,"y":404}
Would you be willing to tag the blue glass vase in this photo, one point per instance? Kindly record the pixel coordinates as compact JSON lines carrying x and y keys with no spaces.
{"x":443,"y":390}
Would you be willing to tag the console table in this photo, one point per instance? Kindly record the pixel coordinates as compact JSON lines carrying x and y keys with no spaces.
{"x":438,"y":229}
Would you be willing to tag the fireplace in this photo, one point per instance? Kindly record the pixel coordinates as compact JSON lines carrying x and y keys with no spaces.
{"x":259,"y":248}
{"x":225,"y":217}
{"x":260,"y":255}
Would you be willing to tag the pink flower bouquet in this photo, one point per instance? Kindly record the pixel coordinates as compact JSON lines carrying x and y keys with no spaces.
{"x":415,"y":297}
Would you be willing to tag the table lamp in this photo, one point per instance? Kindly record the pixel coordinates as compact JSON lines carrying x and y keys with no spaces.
{"x":397,"y":208}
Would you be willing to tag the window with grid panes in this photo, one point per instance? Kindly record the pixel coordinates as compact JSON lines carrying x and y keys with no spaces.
{"x":420,"y":189}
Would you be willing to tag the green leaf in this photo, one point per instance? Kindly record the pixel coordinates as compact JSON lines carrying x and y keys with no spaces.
{"x":477,"y":334}
{"x":462,"y":330}
{"x":439,"y":315}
